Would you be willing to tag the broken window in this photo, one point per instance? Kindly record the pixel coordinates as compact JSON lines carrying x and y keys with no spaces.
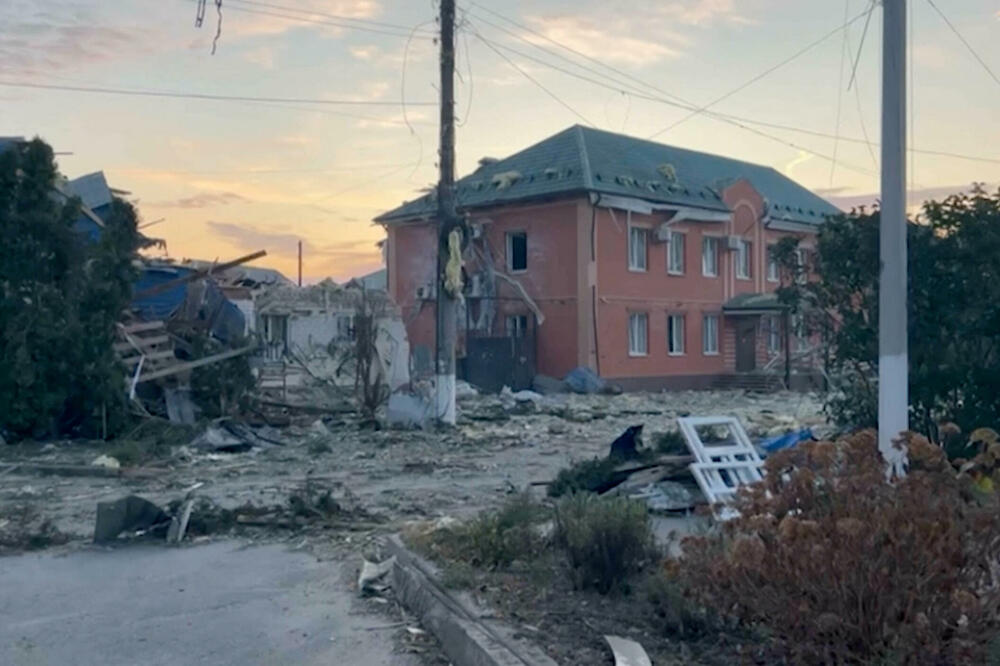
{"x":638,"y":339}
{"x":710,"y":334}
{"x":710,"y":256}
{"x":743,"y":259}
{"x":675,"y":334}
{"x":517,"y":326}
{"x":345,"y":327}
{"x":637,"y":240}
{"x":517,"y":251}
{"x":675,"y":254}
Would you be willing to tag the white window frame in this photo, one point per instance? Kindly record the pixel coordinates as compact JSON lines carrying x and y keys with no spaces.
{"x":713,"y":242}
{"x":676,"y":240}
{"x":800,"y":263}
{"x":772,"y":263}
{"x":510,"y":251}
{"x":741,"y":258}
{"x":638,"y":326}
{"x":706,"y":348}
{"x":675,"y":334}
{"x":640,"y":232}
{"x":801,"y":339}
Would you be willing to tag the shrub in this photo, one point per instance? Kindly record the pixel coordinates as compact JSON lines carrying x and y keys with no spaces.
{"x":594,"y":475}
{"x":670,"y":442}
{"x":494,"y":539}
{"x":605,"y":539}
{"x":840,"y":566}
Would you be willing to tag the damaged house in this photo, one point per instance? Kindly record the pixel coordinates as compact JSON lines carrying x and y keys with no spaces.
{"x":646,"y":263}
{"x":313,"y":329}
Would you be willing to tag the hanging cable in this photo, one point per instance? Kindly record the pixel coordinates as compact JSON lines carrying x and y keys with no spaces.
{"x":840,"y":93}
{"x":861,"y":44}
{"x":964,"y":41}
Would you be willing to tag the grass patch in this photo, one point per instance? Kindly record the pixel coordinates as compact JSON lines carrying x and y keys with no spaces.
{"x":670,"y":443}
{"x":23,"y":528}
{"x":593,"y":476}
{"x":605,"y":540}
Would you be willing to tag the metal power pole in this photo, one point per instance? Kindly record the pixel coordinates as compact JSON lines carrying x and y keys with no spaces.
{"x":300,"y":263}
{"x":447,"y":304}
{"x":893,"y":396}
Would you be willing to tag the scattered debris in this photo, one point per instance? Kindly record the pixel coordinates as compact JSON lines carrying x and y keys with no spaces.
{"x":772,"y":444}
{"x":627,"y":652}
{"x":585,"y":380}
{"x":548,"y":385}
{"x":408,"y":410}
{"x":180,"y":409}
{"x":372,"y":573}
{"x":106,"y":461}
{"x":179,"y":522}
{"x":131,"y":513}
{"x":724,"y":465}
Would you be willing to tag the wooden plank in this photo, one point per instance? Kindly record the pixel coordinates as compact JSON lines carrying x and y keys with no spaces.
{"x":197,"y":275}
{"x":150,"y":357}
{"x":142,"y":343}
{"x":143,"y":326}
{"x":191,"y":365}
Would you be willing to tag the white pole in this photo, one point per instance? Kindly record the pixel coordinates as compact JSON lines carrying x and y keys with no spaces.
{"x":893,"y":397}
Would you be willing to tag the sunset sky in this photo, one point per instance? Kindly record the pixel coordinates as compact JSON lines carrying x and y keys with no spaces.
{"x":236,"y":176}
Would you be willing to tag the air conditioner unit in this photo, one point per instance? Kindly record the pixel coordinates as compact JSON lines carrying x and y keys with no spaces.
{"x":425,"y":292}
{"x":734,"y":242}
{"x":662,"y":234}
{"x":475,"y":231}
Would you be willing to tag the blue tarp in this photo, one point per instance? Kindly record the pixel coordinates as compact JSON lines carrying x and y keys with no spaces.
{"x":786,"y":441}
{"x":162,"y":305}
{"x":585,"y":380}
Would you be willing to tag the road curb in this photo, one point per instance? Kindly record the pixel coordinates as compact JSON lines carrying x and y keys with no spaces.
{"x":466,"y":636}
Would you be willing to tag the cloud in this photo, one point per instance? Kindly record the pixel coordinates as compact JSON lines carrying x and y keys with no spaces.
{"x":262,"y":56}
{"x":914,"y":198}
{"x":203,"y":200}
{"x":646,"y":34}
{"x":36,"y":41}
{"x":281,"y":243}
{"x":364,"y":52}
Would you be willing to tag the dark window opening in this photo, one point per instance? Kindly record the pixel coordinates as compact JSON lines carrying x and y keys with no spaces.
{"x":517,"y":251}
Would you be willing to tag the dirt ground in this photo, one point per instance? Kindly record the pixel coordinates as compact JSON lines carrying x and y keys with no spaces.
{"x":390,"y":477}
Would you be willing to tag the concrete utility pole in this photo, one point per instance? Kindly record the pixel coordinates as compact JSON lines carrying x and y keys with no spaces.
{"x":448,"y":222}
{"x":893,"y":389}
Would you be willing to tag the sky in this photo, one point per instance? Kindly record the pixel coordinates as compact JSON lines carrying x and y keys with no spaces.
{"x":222,"y":178}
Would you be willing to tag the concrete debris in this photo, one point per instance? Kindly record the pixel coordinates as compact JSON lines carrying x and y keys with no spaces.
{"x":407,"y":410}
{"x":465,"y":391}
{"x":215,"y":438}
{"x":128,"y":514}
{"x":548,"y":385}
{"x":372,"y":574}
{"x":106,"y":461}
{"x":627,"y":652}
{"x":666,"y":496}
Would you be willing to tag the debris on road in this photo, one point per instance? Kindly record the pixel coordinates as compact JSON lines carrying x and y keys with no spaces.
{"x":369,"y":580}
{"x":128,"y":514}
{"x":627,"y":652}
{"x":106,"y":461}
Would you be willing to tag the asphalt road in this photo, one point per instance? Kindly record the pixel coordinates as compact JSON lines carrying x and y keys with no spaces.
{"x":217,"y":604}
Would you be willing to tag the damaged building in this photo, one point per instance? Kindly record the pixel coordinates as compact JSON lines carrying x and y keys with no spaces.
{"x":648,"y":264}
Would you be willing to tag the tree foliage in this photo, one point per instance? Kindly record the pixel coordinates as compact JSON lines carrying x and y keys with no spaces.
{"x":954,"y":311}
{"x":60,"y":297}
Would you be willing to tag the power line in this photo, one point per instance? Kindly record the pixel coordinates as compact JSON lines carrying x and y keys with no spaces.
{"x":840,"y":93}
{"x":861,"y":44}
{"x":965,"y":42}
{"x":338,"y":17}
{"x":765,"y":73}
{"x":205,"y":96}
{"x":548,"y":92}
{"x":315,"y":21}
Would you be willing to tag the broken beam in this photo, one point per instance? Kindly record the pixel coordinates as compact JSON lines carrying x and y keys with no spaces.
{"x":191,"y":365}
{"x":197,"y":275}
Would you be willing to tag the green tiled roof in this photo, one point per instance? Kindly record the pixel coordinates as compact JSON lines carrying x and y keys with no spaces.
{"x":581,"y":159}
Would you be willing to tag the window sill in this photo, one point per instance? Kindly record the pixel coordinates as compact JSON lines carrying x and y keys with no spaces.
{"x":746,"y":278}
{"x":520,"y":271}
{"x":637,"y":270}
{"x":638,"y":354}
{"x":676,"y":273}
{"x":706,"y":353}
{"x":710,"y":275}
{"x":773,"y":280}
{"x":675,"y":354}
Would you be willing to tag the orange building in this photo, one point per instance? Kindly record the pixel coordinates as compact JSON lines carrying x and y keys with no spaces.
{"x":646,"y":263}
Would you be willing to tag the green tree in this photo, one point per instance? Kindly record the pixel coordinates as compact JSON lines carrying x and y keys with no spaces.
{"x":60,"y":297}
{"x":954,"y":311}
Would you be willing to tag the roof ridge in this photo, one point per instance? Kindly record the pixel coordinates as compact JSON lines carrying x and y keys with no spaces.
{"x":581,"y":143}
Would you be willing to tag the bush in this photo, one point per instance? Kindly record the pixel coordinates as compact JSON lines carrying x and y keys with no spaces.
{"x":605,"y":539}
{"x":671,"y":442}
{"x":594,"y":475}
{"x":494,"y":539}
{"x":840,"y":566}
